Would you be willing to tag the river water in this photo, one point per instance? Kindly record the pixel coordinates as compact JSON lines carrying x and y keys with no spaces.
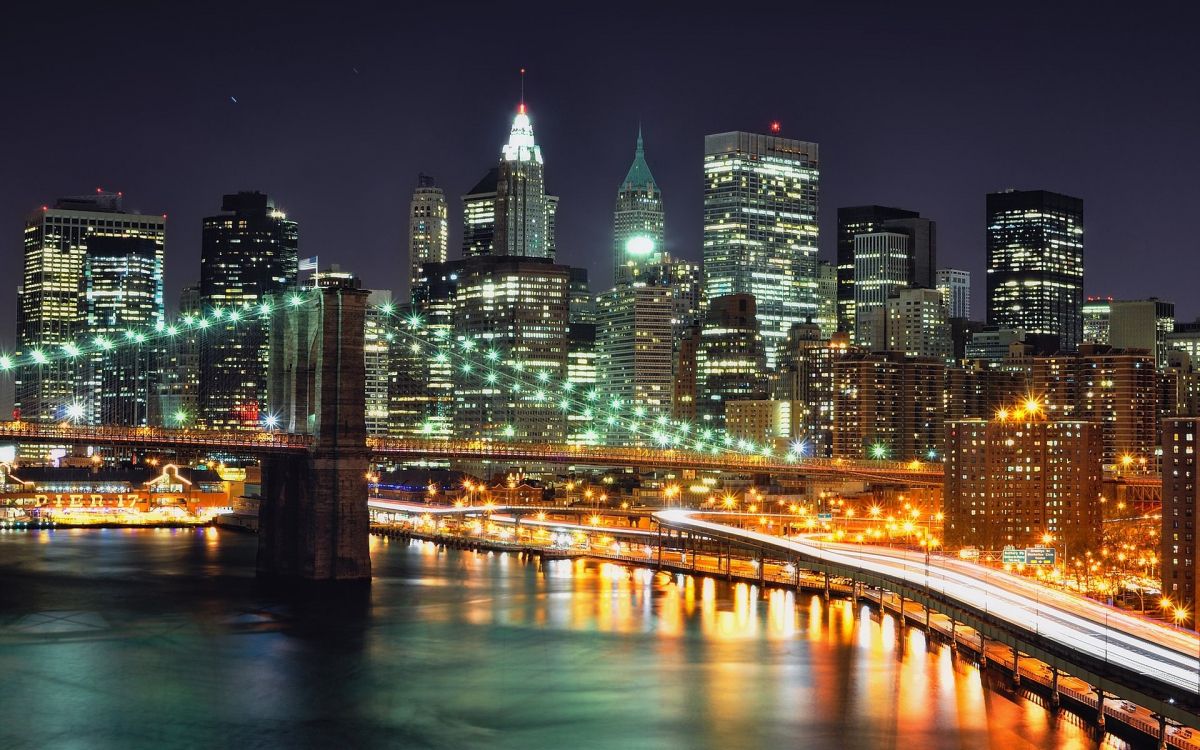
{"x":161,"y":638}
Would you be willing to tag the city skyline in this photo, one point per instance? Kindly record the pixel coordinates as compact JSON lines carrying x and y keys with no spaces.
{"x":586,"y":148}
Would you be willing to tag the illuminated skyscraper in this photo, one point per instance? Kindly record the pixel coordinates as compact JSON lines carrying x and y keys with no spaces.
{"x":955,"y":286}
{"x":479,"y":216}
{"x":730,"y":361}
{"x":638,"y":221}
{"x":1035,"y":264}
{"x":377,"y":343}
{"x":522,"y":211}
{"x":247,"y":252}
{"x":635,"y":342}
{"x":52,"y":300}
{"x":514,"y":311}
{"x":179,"y":372}
{"x":760,"y":227}
{"x":123,"y":279}
{"x":427,"y":227}
{"x":852,"y":221}
{"x":881,"y":269}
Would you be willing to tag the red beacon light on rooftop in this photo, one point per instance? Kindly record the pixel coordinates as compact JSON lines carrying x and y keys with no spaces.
{"x":775,"y":126}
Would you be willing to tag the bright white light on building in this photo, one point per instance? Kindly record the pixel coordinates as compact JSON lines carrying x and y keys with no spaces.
{"x":639,"y":246}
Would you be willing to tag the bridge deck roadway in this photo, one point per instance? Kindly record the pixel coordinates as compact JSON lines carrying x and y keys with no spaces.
{"x":1149,"y":663}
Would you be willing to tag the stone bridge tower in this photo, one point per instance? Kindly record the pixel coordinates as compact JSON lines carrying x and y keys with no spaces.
{"x":313,"y":519}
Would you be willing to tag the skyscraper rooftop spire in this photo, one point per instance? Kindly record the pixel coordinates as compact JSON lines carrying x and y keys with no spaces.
{"x":521,"y":146}
{"x":639,"y":172}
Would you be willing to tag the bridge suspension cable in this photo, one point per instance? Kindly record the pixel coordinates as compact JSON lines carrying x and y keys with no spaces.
{"x":493,"y":367}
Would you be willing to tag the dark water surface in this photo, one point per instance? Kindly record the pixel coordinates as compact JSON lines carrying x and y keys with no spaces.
{"x":155,"y":638}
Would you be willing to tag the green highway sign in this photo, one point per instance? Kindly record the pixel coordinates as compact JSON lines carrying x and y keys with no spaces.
{"x":1013,"y":556}
{"x":1040,"y":556}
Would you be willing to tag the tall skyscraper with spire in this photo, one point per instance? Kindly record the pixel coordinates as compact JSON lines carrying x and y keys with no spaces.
{"x":522,"y":210}
{"x":638,"y":220}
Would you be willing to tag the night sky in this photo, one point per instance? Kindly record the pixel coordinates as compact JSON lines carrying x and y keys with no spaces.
{"x":339,"y":107}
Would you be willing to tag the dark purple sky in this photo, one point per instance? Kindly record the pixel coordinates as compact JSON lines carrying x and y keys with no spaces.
{"x":926,"y":108}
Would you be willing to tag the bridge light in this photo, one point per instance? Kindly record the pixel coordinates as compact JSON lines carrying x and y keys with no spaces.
{"x":180,"y":417}
{"x":271,"y":421}
{"x":71,"y":350}
{"x":103,"y":343}
{"x":568,"y":386}
{"x":159,"y":326}
{"x":509,"y":430}
{"x":639,"y":411}
{"x":203,"y":323}
{"x":387,"y":308}
{"x":264,"y":309}
{"x":5,"y":362}
{"x":798,"y":448}
{"x":39,"y":356}
{"x":414,"y":321}
{"x":493,"y":355}
{"x":188,"y":319}
{"x":235,"y":316}
{"x":466,"y":367}
{"x":296,"y":300}
{"x":75,"y":411}
{"x":139,"y":338}
{"x":593,"y":394}
{"x":544,"y":375}
{"x":217,"y":313}
{"x":879,"y":451}
{"x":491,"y":378}
{"x":172,"y":330}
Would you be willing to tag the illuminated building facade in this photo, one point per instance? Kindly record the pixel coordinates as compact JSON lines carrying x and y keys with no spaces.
{"x":730,"y":362}
{"x":248,"y":251}
{"x":427,"y":227}
{"x":687,"y":353}
{"x":517,"y":306}
{"x":805,"y":378}
{"x":123,"y":280}
{"x":955,"y":286}
{"x":1097,"y":312}
{"x":1024,"y":480}
{"x":179,"y":371}
{"x":377,"y":344}
{"x":1180,"y":544}
{"x":827,"y":298}
{"x":638,"y":221}
{"x":853,"y":221}
{"x":51,"y":301}
{"x":635,"y":340}
{"x":583,"y":373}
{"x":1142,"y":324}
{"x":479,"y":216}
{"x":881,"y":268}
{"x":917,"y":325}
{"x":760,"y":228}
{"x":1035,"y":264}
{"x":522,"y":210}
{"x":887,"y":406}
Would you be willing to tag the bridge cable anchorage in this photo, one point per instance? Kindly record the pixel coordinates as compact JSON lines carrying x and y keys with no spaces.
{"x":493,"y":367}
{"x":81,"y":357}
